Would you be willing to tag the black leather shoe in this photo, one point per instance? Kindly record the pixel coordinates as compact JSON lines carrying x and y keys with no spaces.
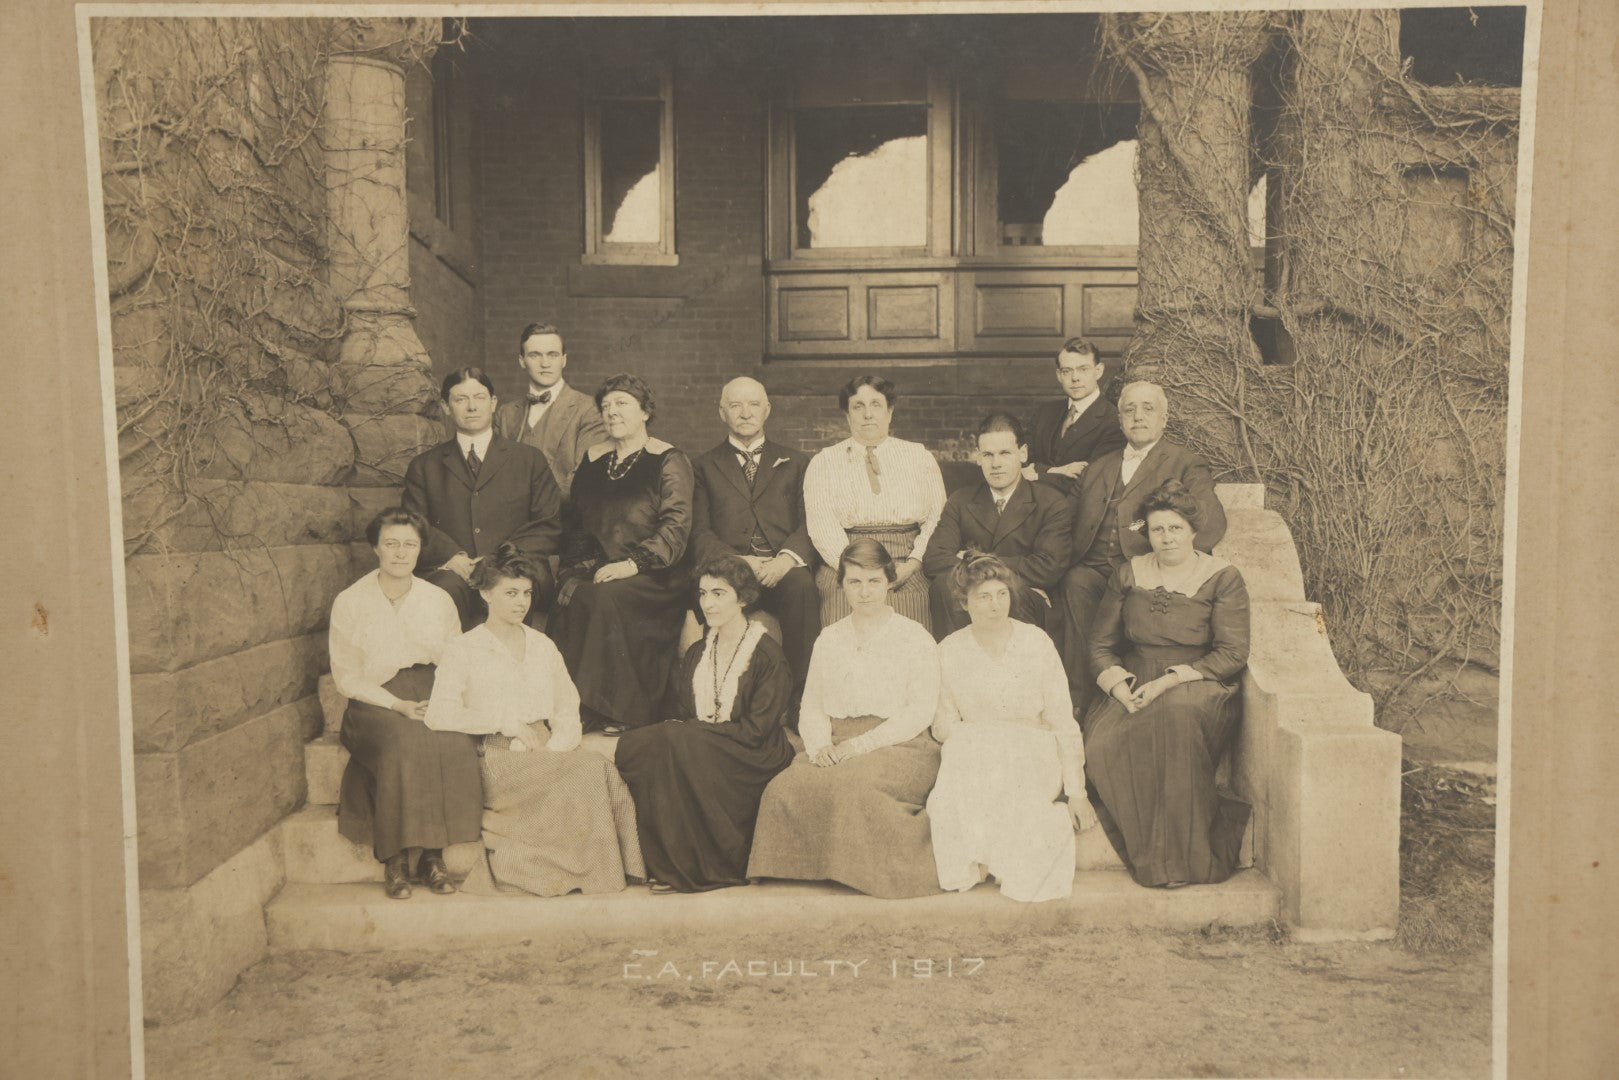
{"x":396,"y":878}
{"x":432,"y":872}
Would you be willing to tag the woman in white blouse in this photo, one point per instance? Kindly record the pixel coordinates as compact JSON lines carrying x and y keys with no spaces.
{"x":850,"y":808}
{"x":874,"y":485}
{"x":557,"y":817}
{"x":408,"y":791}
{"x":1011,"y":752}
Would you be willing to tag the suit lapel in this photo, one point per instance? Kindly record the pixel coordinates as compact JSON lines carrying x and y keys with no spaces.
{"x":1082,"y":427}
{"x":982,"y":508}
{"x":1018,"y":508}
{"x":499,"y":452}
{"x":731,"y":468}
{"x":454,"y":463}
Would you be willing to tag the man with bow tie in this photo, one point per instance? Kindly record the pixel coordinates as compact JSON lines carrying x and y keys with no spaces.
{"x":1107,"y":528}
{"x":478,"y":491}
{"x":554,"y":418}
{"x":1078,"y":428}
{"x":1023,"y":524}
{"x":749,"y":501}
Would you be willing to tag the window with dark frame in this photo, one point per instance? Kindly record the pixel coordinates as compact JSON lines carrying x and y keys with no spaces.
{"x":629,"y":169}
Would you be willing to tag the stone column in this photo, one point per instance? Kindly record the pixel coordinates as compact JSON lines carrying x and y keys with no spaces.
{"x":383,"y":377}
{"x":1196,"y":286}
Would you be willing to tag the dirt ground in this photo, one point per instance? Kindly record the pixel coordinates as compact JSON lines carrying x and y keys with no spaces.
{"x":1081,"y":1004}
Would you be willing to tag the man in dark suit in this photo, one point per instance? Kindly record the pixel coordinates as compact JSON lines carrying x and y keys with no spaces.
{"x":478,"y":491}
{"x":1077,"y":429}
{"x":1027,"y":526}
{"x":553,"y":417}
{"x":749,"y":501}
{"x":1107,"y":531}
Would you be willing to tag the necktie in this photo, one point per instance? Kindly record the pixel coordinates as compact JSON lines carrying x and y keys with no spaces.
{"x":1073,"y":414}
{"x":874,"y":470}
{"x":542,"y":398}
{"x":750,"y":462}
{"x":473,"y":461}
{"x":1000,"y":505}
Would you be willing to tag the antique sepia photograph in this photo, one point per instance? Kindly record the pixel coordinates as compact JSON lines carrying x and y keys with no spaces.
{"x":914,"y":540}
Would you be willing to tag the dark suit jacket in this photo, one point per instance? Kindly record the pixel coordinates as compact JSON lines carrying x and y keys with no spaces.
{"x":728,"y":509}
{"x":1095,"y":434}
{"x":515,"y":499}
{"x":566,"y":430}
{"x":1164,"y":461}
{"x":1032,"y":536}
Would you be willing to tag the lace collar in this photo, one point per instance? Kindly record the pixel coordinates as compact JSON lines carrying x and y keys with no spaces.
{"x":714,"y":707}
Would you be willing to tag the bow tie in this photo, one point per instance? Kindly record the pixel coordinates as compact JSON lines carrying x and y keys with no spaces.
{"x":1132,"y":454}
{"x":542,"y":398}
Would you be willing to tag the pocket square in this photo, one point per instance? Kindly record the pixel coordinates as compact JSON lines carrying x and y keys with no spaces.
{"x":778,"y":461}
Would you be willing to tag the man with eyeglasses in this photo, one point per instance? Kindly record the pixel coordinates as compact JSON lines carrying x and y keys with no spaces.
{"x":554,"y":418}
{"x":1075,"y":430}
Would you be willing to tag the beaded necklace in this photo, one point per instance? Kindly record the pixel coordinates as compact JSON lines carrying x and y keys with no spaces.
{"x":617,"y":471}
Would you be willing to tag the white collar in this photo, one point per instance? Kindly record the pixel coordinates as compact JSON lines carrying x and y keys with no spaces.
{"x":1005,"y":497}
{"x":758,"y":443}
{"x":702,"y":678}
{"x":1149,"y":575}
{"x":480,"y":440}
{"x":555,"y":390}
{"x":1077,"y":407}
{"x":1132,"y":454}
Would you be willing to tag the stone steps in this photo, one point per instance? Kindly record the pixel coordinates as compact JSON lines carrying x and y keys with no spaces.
{"x":357,"y":917}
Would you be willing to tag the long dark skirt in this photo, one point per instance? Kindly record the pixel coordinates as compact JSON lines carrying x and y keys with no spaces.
{"x":1153,"y":774}
{"x":407,"y":785}
{"x":862,"y":822}
{"x":696,"y":800}
{"x":620,"y":640}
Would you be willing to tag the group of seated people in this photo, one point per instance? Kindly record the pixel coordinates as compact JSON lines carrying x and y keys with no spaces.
{"x":914,"y":714}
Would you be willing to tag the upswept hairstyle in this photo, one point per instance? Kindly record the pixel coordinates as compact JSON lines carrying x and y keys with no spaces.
{"x":1079,"y":346}
{"x":539,"y":328}
{"x":465,"y":374}
{"x":867,"y":554}
{"x":876,"y":382}
{"x":976,"y":569}
{"x":506,"y":562}
{"x":629,"y":384}
{"x":395,"y":515}
{"x":735,"y":572}
{"x":1171,"y":495}
{"x":1000,"y":421}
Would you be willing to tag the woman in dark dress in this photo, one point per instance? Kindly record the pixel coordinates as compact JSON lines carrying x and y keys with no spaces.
{"x":697,"y":778}
{"x":1170,"y":641}
{"x":625,"y":568}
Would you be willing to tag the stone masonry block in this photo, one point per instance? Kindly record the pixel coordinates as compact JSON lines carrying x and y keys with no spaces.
{"x":172,"y":710}
{"x":366,"y":503}
{"x":216,"y":514}
{"x":384,"y":445}
{"x":187,"y":608}
{"x":332,"y":705}
{"x":195,"y":941}
{"x":282,"y":441}
{"x":324,"y":762}
{"x":198,"y":807}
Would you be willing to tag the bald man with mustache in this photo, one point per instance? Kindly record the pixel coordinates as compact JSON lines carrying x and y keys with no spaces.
{"x":749,"y":501}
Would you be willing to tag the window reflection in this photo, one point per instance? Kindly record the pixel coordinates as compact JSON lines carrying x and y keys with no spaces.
{"x":1067,"y":173}
{"x":631,"y":141}
{"x":862,"y":176}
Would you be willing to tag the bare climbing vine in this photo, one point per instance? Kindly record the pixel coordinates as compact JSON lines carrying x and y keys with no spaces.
{"x":225,"y":324}
{"x":1378,"y":425}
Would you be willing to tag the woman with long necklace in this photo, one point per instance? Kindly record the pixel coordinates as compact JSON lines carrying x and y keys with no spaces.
{"x":697,"y":778}
{"x":625,"y":567}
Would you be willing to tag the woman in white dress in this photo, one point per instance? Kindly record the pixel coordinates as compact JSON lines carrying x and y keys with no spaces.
{"x":556,"y":817}
{"x":873,"y":485}
{"x":1012,"y":751}
{"x":851,"y":807}
{"x":408,"y":791}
